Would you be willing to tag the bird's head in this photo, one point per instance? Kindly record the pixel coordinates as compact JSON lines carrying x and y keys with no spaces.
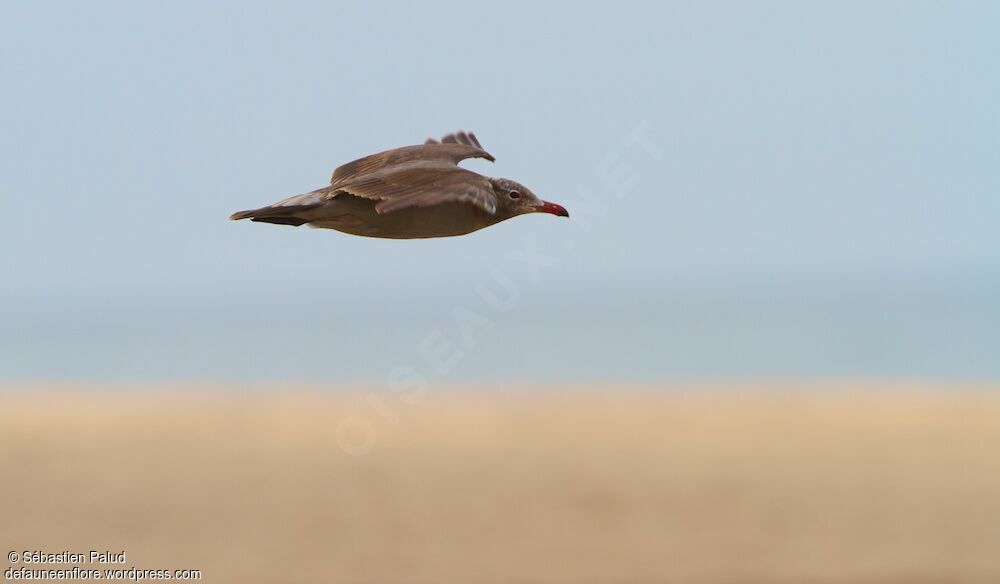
{"x":513,"y":198}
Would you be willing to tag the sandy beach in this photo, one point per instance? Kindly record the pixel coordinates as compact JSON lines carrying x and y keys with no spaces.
{"x":780,"y":482}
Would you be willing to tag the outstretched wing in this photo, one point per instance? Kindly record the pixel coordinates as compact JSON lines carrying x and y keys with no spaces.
{"x":422,"y":185}
{"x":452,"y":149}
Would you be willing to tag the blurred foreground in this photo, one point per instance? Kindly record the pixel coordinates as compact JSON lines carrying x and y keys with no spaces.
{"x":750,"y":483}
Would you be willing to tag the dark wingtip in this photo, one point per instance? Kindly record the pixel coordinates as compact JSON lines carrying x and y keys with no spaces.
{"x":240,"y":215}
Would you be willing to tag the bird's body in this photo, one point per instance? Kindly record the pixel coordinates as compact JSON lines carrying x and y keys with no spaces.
{"x":358,"y":216}
{"x":409,"y":193}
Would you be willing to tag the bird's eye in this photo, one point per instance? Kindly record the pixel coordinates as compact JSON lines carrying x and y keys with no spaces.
{"x":514,"y":195}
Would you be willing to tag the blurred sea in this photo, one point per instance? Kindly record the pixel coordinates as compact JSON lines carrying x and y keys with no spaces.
{"x":737,"y":326}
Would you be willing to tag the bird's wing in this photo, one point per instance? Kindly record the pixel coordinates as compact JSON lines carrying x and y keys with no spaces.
{"x":452,"y":149}
{"x":422,"y":185}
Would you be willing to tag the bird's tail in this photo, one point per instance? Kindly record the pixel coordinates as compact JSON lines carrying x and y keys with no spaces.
{"x":291,"y":211}
{"x":283,"y":215}
{"x":242,"y":215}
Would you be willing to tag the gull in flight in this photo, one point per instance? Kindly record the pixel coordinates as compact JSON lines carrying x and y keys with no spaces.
{"x":409,"y":193}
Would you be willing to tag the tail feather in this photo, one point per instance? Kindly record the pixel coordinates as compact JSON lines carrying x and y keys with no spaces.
{"x":242,"y":215}
{"x":283,"y":215}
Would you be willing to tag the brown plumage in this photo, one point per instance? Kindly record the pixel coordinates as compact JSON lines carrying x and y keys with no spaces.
{"x":407,"y":193}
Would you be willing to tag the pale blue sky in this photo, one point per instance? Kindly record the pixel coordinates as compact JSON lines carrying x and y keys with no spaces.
{"x":825,"y":199}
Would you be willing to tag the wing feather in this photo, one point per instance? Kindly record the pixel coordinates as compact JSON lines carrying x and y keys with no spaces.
{"x":452,"y":149}
{"x":420,"y":185}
